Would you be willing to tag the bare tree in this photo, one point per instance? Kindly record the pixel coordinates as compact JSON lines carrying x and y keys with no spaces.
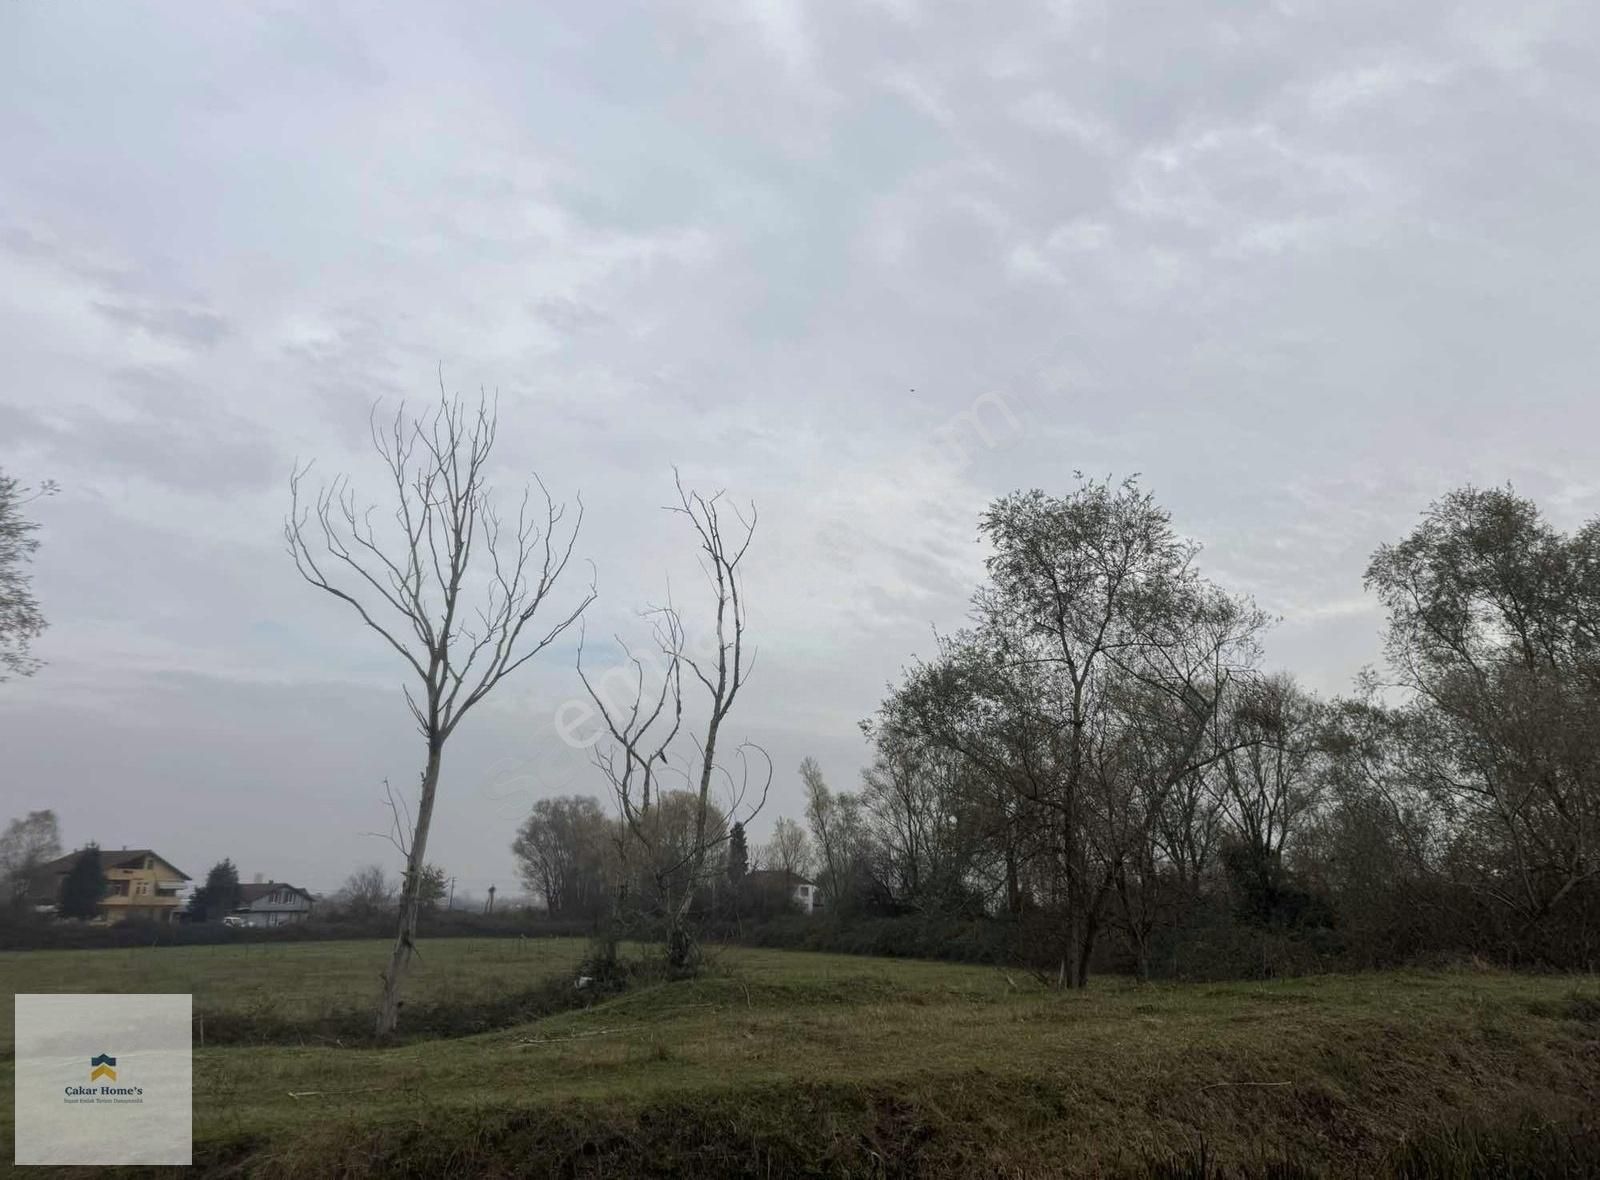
{"x":789,"y":850}
{"x":452,"y":587}
{"x":931,"y":834}
{"x":643,"y":733}
{"x":367,"y":892}
{"x":1269,"y":771}
{"x":1494,"y":633}
{"x":836,"y":833}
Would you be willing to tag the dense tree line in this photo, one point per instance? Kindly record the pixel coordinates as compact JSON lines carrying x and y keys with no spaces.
{"x":1100,"y":753}
{"x":578,"y":861}
{"x":1100,"y":766}
{"x":1099,"y":769}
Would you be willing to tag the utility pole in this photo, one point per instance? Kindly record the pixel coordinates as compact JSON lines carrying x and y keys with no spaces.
{"x":491,"y":900}
{"x":451,"y":904}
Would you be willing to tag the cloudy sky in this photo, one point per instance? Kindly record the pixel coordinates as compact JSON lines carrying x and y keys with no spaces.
{"x":1302,"y":266}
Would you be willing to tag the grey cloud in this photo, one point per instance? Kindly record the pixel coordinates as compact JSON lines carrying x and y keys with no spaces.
{"x":162,"y":431}
{"x":182,"y":455}
{"x":568,"y":315}
{"x":18,"y":425}
{"x":30,"y":242}
{"x":194,"y":326}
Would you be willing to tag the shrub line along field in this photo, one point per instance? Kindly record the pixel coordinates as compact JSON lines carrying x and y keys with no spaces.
{"x":790,"y":1061}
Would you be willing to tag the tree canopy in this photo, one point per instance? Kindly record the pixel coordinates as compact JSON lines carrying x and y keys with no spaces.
{"x":21,"y":620}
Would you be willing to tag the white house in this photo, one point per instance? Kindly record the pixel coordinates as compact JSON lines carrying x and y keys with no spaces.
{"x":272,"y":903}
{"x":806,"y":894}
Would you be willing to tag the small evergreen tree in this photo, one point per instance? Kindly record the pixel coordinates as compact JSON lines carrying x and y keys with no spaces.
{"x":220,"y":895}
{"x":431,"y":890}
{"x":738,"y":855}
{"x":83,"y":886}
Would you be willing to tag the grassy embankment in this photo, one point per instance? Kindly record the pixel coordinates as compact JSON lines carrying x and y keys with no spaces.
{"x":782,"y":1061}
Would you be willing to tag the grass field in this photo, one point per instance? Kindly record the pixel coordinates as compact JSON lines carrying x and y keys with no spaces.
{"x":782,"y":1061}
{"x":294,"y":982}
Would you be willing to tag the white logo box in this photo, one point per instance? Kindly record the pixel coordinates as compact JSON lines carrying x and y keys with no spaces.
{"x":66,"y":1115}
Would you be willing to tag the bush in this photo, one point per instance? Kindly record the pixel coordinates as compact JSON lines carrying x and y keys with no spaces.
{"x":913,"y":936}
{"x":1229,"y":951}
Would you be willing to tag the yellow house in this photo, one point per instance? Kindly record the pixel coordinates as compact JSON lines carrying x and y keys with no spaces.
{"x":140,"y":884}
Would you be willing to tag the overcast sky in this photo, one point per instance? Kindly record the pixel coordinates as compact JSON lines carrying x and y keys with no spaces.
{"x":1303,"y":266}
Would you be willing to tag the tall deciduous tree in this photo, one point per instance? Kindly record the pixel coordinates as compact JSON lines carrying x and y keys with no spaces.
{"x":1090,"y":684}
{"x":789,"y":850}
{"x":561,"y":851}
{"x":21,"y":620}
{"x":367,"y":892}
{"x":1494,"y":628}
{"x":27,"y":843}
{"x":932,"y":833}
{"x":1270,"y":777}
{"x":837,"y":833}
{"x":448,"y":583}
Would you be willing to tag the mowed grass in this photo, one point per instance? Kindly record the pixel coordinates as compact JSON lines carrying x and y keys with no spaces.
{"x":786,"y":1061}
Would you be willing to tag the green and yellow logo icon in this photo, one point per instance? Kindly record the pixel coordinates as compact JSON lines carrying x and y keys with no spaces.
{"x":102,"y":1066}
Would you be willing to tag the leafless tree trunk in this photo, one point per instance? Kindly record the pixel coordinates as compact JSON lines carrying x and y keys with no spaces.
{"x":451,"y":586}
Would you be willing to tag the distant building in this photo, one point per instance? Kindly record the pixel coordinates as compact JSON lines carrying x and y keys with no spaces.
{"x":272,"y":903}
{"x":141,"y":885}
{"x":805,"y":893}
